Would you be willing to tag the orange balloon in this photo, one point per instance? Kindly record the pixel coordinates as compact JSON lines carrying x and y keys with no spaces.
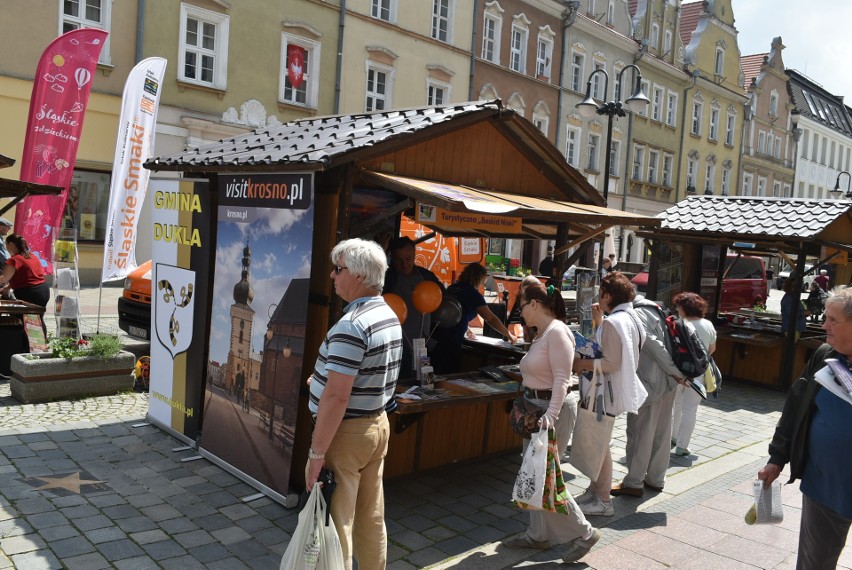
{"x":397,"y":304}
{"x":427,"y":296}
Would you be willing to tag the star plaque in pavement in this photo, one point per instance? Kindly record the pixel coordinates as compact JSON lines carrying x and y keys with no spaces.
{"x":64,"y":484}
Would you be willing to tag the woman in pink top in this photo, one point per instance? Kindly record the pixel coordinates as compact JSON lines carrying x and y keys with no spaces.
{"x":546,"y":369}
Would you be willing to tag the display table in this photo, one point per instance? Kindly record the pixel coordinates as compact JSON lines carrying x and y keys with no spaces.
{"x":21,"y":326}
{"x":468,"y":418}
{"x":489,"y":351}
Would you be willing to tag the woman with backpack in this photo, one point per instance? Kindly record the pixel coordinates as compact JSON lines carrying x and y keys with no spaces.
{"x":691,"y":308}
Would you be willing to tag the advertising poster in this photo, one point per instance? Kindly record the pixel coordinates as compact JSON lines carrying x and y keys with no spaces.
{"x":257,"y":325}
{"x":180,"y":287}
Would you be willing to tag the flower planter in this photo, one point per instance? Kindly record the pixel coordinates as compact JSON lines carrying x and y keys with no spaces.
{"x":45,"y":378}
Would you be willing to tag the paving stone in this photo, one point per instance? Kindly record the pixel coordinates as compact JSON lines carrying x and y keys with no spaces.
{"x":182,"y":563}
{"x":136,"y":524}
{"x":58,"y":532}
{"x":161,"y":512}
{"x":136,"y":563}
{"x":194,"y":538}
{"x":106,"y":534}
{"x":45,"y":520}
{"x":69,"y":547}
{"x":12,"y":545}
{"x":175,"y":526}
{"x":248,"y":549}
{"x":92,"y":522}
{"x":209,"y":552}
{"x":119,"y":549}
{"x":91,"y":561}
{"x":230,"y":535}
{"x":148,"y":536}
{"x":164,"y":549}
{"x":37,"y":560}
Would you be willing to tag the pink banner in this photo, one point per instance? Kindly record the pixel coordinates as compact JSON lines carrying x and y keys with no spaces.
{"x":61,"y":88}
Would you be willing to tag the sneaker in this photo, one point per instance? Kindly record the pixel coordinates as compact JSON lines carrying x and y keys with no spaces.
{"x":585,"y":497}
{"x":682,"y":451}
{"x":578,"y":547}
{"x":524,"y":541}
{"x":598,"y":508}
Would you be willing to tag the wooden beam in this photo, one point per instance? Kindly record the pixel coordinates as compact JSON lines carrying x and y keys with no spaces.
{"x":585,"y":237}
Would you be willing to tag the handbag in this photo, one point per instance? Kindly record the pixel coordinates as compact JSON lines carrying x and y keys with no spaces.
{"x":554,"y":496}
{"x":528,"y":492}
{"x":315,"y":544}
{"x":592,"y":430}
{"x":709,"y":380}
{"x":524,"y":416}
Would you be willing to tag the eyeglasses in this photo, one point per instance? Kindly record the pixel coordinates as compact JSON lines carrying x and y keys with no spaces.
{"x":338,"y":269}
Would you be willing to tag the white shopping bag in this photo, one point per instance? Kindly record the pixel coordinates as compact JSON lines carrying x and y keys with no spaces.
{"x":529,"y":485}
{"x":314,"y":545}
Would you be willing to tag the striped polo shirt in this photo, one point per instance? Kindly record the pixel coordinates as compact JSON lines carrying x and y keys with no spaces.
{"x":365,"y":343}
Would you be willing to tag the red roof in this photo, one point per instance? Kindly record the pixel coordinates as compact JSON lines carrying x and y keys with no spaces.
{"x":751,"y":66}
{"x":689,"y":16}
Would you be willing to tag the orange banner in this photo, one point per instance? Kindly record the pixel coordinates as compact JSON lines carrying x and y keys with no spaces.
{"x":426,"y":214}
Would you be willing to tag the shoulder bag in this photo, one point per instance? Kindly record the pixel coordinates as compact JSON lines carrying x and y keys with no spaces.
{"x":592,"y":429}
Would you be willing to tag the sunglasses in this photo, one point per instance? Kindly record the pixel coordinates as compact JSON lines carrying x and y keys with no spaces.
{"x":338,"y":269}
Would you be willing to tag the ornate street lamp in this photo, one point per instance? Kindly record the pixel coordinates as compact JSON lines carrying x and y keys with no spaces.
{"x":848,"y":194}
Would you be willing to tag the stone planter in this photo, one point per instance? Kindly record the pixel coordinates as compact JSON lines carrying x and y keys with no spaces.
{"x":45,"y":378}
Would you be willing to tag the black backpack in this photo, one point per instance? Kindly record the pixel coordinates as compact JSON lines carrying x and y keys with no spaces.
{"x":687,"y":350}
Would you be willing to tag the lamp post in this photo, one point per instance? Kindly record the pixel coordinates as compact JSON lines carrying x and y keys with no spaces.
{"x":848,"y":194}
{"x":269,"y":334}
{"x":588,"y":107}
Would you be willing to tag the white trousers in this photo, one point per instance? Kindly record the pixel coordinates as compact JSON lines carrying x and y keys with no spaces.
{"x":685,"y":411}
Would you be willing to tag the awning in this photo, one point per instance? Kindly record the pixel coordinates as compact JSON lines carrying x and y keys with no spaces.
{"x":18,"y":190}
{"x":538,"y":218}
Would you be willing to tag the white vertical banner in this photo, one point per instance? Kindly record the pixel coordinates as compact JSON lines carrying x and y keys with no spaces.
{"x":133,"y":147}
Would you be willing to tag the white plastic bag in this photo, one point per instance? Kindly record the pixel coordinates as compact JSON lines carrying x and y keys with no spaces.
{"x":529,"y":485}
{"x":314,"y":545}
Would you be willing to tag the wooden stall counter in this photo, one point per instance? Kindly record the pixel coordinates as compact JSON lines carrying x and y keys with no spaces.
{"x":464,"y":418}
{"x":751,"y":355}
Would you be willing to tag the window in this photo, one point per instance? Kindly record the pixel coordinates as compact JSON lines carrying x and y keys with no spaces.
{"x":776,"y":190}
{"x":729,"y":129}
{"x":747,"y":184}
{"x":383,"y":10}
{"x":610,"y":13}
{"x":577,"y":60}
{"x":571,"y":153}
{"x":657,"y":104}
{"x":378,"y":88}
{"x":710,"y":178}
{"x":720,"y":61}
{"x":824,"y":147}
{"x":591,"y":9}
{"x":78,"y":14}
{"x":594,"y":143}
{"x":441,"y":20}
{"x":815,"y":148}
{"x":773,"y":104}
{"x":436,"y":93}
{"x":655,"y":36}
{"x":671,"y":109}
{"x":598,"y":82}
{"x":203,"y":57}
{"x":761,"y":186}
{"x":777,"y":148}
{"x":726,"y":180}
{"x":541,"y":122}
{"x":668,"y":162}
{"x":805,"y":136}
{"x":653,"y":164}
{"x":667,"y":42}
{"x":491,"y":38}
{"x":697,"y":111}
{"x":691,"y":168}
{"x":761,"y":142}
{"x":613,"y":158}
{"x":543,"y":56}
{"x":714,"y":124}
{"x":87,"y":207}
{"x":638,"y":162}
{"x":299,"y":78}
{"x":616,"y":87}
{"x":518,"y":50}
{"x":787,"y":191}
{"x":646,"y":88}
{"x":831,"y":157}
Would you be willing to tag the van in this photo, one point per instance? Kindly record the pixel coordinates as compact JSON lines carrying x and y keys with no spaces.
{"x":134,"y":305}
{"x":743,"y":283}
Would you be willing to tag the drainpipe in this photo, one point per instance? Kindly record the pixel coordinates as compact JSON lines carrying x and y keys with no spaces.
{"x":627,"y":159}
{"x":340,"y":27}
{"x":695,"y":75}
{"x":568,"y":18}
{"x":140,"y":28}
{"x":470,"y":83}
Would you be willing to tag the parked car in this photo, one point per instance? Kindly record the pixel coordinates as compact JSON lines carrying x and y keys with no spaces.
{"x":743,"y":284}
{"x":785,"y":273}
{"x":134,"y":305}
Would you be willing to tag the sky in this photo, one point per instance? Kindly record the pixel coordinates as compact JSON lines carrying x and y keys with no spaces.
{"x":817,"y":36}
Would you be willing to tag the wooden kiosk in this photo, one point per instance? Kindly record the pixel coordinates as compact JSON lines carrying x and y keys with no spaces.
{"x":474,"y":169}
{"x":688,"y":254}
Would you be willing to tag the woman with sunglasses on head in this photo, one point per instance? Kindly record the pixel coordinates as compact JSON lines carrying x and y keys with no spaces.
{"x":546,"y":370}
{"x":23,"y":273}
{"x":620,"y":336}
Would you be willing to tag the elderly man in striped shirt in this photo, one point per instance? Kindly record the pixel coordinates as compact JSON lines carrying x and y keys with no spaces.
{"x":353,"y":382}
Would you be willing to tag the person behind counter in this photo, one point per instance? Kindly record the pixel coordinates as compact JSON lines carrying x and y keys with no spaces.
{"x":447,"y":354}
{"x":690,"y":307}
{"x":790,"y":302}
{"x":353,"y":381}
{"x":546,"y":373}
{"x":23,"y":273}
{"x":620,"y":337}
{"x":401,"y":278}
{"x":515,"y":314}
{"x":815,"y":426}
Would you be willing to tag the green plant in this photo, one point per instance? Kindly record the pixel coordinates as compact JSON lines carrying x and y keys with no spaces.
{"x":101,"y":346}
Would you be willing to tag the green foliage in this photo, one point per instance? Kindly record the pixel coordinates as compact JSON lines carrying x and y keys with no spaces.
{"x":101,"y":346}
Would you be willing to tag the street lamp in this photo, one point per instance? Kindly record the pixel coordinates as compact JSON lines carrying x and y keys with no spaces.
{"x":848,"y":194}
{"x":588,"y":107}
